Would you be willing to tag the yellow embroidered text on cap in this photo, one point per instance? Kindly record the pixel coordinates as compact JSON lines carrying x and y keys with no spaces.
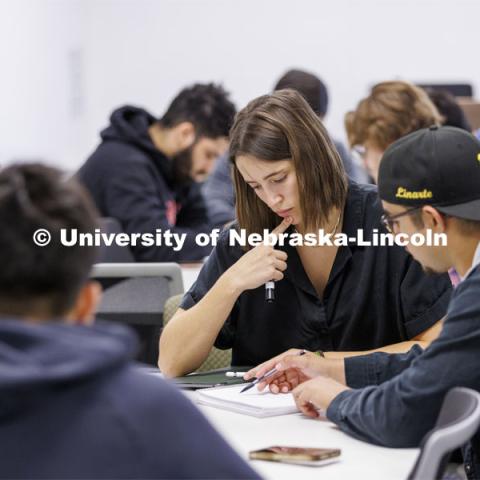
{"x":404,"y":193}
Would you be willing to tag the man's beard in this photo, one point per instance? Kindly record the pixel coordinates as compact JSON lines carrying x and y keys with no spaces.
{"x":182,"y":167}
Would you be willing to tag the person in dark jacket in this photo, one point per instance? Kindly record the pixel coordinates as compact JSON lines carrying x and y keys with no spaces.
{"x":146,"y":171}
{"x":427,"y":180}
{"x":72,"y":403}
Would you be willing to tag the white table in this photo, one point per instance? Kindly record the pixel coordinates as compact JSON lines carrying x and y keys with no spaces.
{"x":190,"y":273}
{"x":359,"y":460}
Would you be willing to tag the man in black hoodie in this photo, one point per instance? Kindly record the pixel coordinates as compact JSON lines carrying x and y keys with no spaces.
{"x":72,"y":404}
{"x":146,"y":171}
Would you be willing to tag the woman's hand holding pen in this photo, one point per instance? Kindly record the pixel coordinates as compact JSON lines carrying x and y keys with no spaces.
{"x":259,"y":265}
{"x":292,"y":370}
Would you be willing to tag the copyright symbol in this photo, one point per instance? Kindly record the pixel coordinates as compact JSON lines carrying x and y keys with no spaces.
{"x":42,"y":237}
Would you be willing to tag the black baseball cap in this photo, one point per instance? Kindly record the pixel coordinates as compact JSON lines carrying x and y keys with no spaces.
{"x":438,"y":166}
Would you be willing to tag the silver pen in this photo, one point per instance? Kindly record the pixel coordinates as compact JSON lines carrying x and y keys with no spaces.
{"x":266,"y":375}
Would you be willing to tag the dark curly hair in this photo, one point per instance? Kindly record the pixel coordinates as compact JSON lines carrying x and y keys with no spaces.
{"x":206,"y":106}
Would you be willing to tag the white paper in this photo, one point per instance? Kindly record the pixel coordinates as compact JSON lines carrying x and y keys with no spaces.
{"x":251,"y":402}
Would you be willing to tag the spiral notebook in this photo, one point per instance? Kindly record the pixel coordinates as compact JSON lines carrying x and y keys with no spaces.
{"x":251,"y":402}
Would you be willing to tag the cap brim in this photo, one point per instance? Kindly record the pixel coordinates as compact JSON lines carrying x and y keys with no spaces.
{"x":467,"y":211}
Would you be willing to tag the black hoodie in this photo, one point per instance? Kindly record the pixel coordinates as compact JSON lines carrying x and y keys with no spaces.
{"x":72,"y":405}
{"x":132,"y":181}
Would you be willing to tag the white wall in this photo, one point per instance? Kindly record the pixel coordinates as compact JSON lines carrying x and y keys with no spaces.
{"x":144,"y":51}
{"x":40,"y":109}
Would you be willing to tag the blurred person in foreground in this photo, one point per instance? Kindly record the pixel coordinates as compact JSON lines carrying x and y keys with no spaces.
{"x":73,"y":403}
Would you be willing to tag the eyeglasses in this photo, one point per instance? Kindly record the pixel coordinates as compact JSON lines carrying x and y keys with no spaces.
{"x":388,"y":221}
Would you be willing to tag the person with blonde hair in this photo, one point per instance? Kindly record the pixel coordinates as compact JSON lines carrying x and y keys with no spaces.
{"x":290,"y":179}
{"x":391,"y":110}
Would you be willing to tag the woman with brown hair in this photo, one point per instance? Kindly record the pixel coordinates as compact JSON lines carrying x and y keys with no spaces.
{"x":392,"y":110}
{"x":327,"y":298}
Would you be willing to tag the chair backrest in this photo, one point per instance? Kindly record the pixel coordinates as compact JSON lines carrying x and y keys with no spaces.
{"x":139,"y":295}
{"x":457,"y":422}
{"x":135,"y":293}
{"x":114,"y":252}
{"x":216,"y":358}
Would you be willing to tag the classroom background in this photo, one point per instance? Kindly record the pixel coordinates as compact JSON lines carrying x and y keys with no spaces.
{"x":66,"y":64}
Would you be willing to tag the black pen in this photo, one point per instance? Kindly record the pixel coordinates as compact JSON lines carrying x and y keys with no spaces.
{"x":270,"y":292}
{"x":266,"y":375}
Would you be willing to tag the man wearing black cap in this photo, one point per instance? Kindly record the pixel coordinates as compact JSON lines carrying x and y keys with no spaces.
{"x":429,"y":179}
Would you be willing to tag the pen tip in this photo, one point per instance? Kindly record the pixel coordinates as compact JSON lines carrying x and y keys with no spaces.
{"x":244,"y":389}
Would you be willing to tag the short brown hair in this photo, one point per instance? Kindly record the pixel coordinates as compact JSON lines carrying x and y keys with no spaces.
{"x":392,"y":110}
{"x":283,"y":126}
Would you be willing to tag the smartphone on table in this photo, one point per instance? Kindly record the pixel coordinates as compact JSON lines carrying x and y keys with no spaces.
{"x":297,"y":455}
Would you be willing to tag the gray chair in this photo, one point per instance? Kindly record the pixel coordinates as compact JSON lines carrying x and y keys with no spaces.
{"x":458,"y":421}
{"x":138,"y":297}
